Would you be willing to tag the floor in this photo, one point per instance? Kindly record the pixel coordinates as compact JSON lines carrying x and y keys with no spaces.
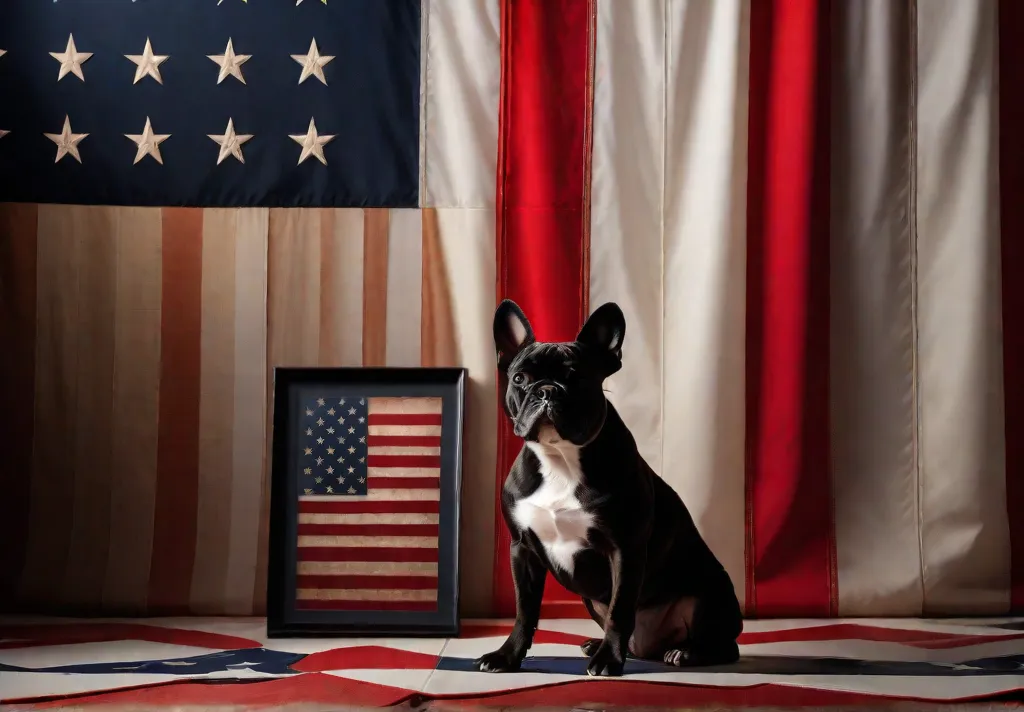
{"x":224,"y":662}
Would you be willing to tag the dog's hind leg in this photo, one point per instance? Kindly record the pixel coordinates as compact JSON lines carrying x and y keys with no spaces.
{"x":590,"y":646}
{"x":711,"y":634}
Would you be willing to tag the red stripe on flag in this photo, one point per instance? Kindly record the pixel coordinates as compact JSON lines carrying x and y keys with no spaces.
{"x":344,"y":506}
{"x":1011,"y":188}
{"x":406,"y":440}
{"x":368,"y":530}
{"x":403,"y":461}
{"x":543,"y":192}
{"x":378,"y":482}
{"x":321,"y":605}
{"x":367,"y":554}
{"x":790,"y":533}
{"x":404,"y":419}
{"x":418,"y":583}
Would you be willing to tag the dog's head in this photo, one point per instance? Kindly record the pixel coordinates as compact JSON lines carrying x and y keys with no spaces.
{"x":554,"y":391}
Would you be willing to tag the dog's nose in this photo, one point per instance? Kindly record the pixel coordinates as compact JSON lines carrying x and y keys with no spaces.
{"x":546,"y":392}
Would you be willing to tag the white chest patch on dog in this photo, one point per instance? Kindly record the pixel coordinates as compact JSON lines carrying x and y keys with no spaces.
{"x":553,"y":512}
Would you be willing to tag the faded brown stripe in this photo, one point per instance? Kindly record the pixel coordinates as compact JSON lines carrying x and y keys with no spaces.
{"x":216,"y":412}
{"x":133,"y":484}
{"x":293,"y":330}
{"x":174,"y":539}
{"x":91,"y":448}
{"x":375,"y":286}
{"x":437,"y":337}
{"x":17,"y":383}
{"x":56,"y":404}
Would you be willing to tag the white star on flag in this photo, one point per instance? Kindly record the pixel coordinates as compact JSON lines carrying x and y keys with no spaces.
{"x":312,"y":143}
{"x":71,"y":60}
{"x":148,"y":143}
{"x":230,"y":63}
{"x":147,"y":64}
{"x":230,"y":143}
{"x":313,"y":63}
{"x":67,"y":142}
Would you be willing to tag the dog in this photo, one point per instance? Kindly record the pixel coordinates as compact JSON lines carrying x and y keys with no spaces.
{"x":581,"y":503}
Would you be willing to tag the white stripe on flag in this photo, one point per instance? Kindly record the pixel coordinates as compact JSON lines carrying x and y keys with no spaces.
{"x":404,"y":471}
{"x":404,"y":406}
{"x":369,"y":542}
{"x":402,"y":450}
{"x":367,"y":568}
{"x":433,"y":430}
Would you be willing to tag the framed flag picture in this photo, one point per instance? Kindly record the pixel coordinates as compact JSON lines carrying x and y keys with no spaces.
{"x":364,"y":513}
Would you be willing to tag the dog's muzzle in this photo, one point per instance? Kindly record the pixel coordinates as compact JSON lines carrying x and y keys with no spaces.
{"x":538,"y":405}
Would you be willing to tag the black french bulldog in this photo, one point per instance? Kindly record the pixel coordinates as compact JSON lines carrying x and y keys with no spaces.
{"x":581,"y":503}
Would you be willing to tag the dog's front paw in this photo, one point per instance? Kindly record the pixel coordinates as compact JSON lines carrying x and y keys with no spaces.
{"x":590,"y":646}
{"x":606,"y":661}
{"x":498,"y":661}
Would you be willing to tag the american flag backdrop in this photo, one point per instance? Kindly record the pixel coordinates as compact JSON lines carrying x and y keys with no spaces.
{"x":807,"y":209}
{"x":369,"y":483}
{"x":195,"y":103}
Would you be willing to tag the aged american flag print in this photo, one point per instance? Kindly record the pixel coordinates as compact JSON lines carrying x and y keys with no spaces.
{"x":369,"y":483}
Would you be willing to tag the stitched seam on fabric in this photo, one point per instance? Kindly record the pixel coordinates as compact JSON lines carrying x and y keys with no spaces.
{"x":825,"y":36}
{"x":666,"y":34}
{"x":502,"y":538}
{"x":915,"y":334}
{"x":440,"y":657}
{"x":588,"y":152}
{"x":424,"y":62}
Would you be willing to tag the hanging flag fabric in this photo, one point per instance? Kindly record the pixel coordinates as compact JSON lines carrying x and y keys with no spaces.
{"x":202,"y":103}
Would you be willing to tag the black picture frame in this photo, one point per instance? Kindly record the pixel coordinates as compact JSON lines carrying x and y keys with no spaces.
{"x":290,"y":386}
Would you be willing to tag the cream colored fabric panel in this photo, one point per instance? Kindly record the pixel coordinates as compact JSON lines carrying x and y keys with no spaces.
{"x":467,"y":257}
{"x":250,"y":407}
{"x":872,"y":342}
{"x":705,"y":268}
{"x":404,"y":296}
{"x":459,"y":103}
{"x":964,"y":529}
{"x":626,"y":201}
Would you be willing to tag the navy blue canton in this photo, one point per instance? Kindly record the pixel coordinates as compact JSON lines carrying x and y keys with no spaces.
{"x":369,"y":104}
{"x":332,"y":437}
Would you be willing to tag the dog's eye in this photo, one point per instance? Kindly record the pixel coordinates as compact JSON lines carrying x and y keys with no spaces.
{"x":520,"y":379}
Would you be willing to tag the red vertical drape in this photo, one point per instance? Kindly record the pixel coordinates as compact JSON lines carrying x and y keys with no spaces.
{"x":790,"y":531}
{"x":543,"y":187}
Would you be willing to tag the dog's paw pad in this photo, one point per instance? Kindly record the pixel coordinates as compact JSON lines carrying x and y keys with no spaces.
{"x":498,"y":661}
{"x":590,"y":647}
{"x":677,"y":657}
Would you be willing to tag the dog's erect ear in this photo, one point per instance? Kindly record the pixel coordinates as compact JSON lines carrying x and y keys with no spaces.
{"x":512,"y":331}
{"x":604,"y":331}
